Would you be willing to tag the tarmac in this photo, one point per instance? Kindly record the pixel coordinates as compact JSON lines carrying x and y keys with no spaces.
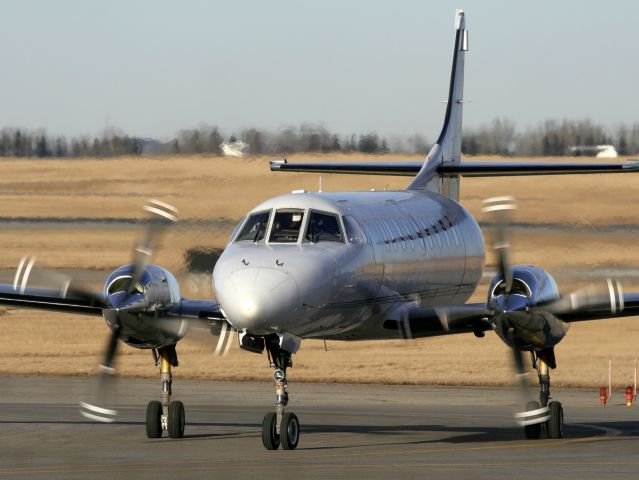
{"x":347,"y":431}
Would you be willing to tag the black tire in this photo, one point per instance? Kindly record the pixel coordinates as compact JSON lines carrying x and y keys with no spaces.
{"x":176,"y":419}
{"x":270,"y":438}
{"x":289,"y":431}
{"x":532,"y":432}
{"x":154,"y":419}
{"x":555,"y":424}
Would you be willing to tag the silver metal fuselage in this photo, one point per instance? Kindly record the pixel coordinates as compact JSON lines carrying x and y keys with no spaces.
{"x":420,"y":250}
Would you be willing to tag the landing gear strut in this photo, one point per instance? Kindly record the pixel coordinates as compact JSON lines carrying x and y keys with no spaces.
{"x":280,"y":427}
{"x":552,"y":411}
{"x":165,"y":414}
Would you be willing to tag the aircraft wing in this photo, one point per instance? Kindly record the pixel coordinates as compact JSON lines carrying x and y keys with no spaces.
{"x":476,"y":318}
{"x":433,"y":321}
{"x":48,"y":299}
{"x":54,"y":300}
{"x":465,"y":169}
{"x":196,"y":309}
{"x":625,"y":305}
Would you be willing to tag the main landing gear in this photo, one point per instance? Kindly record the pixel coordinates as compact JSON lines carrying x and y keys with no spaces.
{"x":548,"y":414}
{"x":165,"y":415}
{"x":280,"y":427}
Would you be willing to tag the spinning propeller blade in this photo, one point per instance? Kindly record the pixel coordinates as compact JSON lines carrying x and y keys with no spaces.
{"x":103,"y":390}
{"x":162,"y":216}
{"x":500,"y":208}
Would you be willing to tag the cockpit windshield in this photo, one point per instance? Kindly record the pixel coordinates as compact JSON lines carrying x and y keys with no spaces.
{"x":254,"y":229}
{"x":286,"y":226}
{"x":323,"y":227}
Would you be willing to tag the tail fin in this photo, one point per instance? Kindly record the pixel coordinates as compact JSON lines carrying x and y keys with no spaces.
{"x":443,"y":167}
{"x":447,"y":149}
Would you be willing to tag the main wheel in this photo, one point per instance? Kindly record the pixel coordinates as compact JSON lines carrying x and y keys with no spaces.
{"x":532,"y":431}
{"x":154,"y":419}
{"x":176,"y":419}
{"x":555,"y":424}
{"x":270,"y":438}
{"x":289,"y":431}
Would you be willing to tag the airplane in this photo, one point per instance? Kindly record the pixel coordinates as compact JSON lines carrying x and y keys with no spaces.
{"x":370,"y":265}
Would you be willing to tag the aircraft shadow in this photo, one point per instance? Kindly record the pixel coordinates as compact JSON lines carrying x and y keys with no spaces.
{"x":446,"y":434}
{"x":462,"y":435}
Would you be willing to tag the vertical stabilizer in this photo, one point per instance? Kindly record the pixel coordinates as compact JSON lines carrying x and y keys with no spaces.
{"x":447,"y":149}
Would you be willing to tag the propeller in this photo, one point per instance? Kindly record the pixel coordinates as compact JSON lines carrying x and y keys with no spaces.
{"x":526,"y":325}
{"x":200,"y":331}
{"x":126,"y":303}
{"x":63,"y":283}
{"x":509,"y":315}
{"x":122,"y":307}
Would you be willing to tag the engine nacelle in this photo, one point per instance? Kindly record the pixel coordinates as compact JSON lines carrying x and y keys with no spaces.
{"x":529,"y":282}
{"x":158,"y":286}
{"x":149,"y":326}
{"x":514,"y":322}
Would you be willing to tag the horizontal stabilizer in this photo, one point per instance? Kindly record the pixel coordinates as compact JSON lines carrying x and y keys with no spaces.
{"x":499,"y":169}
{"x":465,"y":169}
{"x":408,"y":169}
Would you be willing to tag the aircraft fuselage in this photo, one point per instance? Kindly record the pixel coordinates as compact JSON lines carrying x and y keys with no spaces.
{"x":395,"y":250}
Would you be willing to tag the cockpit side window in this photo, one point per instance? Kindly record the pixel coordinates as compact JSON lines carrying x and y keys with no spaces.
{"x":323,"y":227}
{"x":254,"y":229}
{"x":354,"y":232}
{"x":286,"y":226}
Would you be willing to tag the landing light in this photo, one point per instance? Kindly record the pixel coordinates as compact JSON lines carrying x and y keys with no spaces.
{"x":249,"y":308}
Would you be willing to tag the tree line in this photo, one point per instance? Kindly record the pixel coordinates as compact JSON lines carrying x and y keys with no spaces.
{"x":499,"y":137}
{"x":549,"y":138}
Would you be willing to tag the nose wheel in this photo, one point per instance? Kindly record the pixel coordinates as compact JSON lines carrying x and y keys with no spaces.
{"x":281,"y":427}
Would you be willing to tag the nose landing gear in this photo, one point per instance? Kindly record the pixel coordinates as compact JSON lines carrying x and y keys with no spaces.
{"x":280,"y":427}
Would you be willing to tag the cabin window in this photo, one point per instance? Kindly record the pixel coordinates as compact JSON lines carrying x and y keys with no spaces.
{"x":394,"y":233}
{"x":286,"y":226}
{"x":354,"y":232}
{"x":445,"y":230}
{"x":254,"y":229}
{"x":401,"y":237}
{"x":323,"y":227}
{"x":385,"y":236}
{"x":425,"y":233}
{"x":436,"y":233}
{"x":452,"y":229}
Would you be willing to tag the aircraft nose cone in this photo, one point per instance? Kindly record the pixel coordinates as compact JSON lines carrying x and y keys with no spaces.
{"x":257,"y":299}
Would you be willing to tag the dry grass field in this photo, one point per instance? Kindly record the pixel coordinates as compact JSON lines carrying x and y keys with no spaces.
{"x":205,"y":187}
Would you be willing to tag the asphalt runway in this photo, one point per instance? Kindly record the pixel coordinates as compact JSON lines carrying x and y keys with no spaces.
{"x":348,"y":431}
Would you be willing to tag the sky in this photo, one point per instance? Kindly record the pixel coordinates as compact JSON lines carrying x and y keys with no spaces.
{"x":153,"y":67}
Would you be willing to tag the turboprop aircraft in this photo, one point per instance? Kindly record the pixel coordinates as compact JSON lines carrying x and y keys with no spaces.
{"x":368,"y":265}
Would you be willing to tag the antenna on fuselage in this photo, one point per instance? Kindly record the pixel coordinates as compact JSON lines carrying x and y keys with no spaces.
{"x":320,"y":184}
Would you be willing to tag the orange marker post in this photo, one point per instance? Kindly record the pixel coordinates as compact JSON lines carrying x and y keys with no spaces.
{"x":629,"y":395}
{"x":603,"y":396}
